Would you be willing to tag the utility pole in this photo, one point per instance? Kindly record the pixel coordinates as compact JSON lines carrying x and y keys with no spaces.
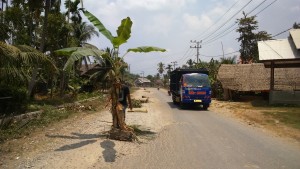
{"x":174,"y":64}
{"x":197,"y":46}
{"x":143,"y":79}
{"x":222,"y":50}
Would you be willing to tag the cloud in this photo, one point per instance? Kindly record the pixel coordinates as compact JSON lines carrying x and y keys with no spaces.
{"x":161,"y":24}
{"x":194,"y":22}
{"x":153,"y":4}
{"x":295,"y":9}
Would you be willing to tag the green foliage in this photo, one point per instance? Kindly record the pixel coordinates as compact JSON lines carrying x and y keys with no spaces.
{"x":161,"y":68}
{"x":290,"y":117}
{"x":146,"y":49}
{"x":17,"y":63}
{"x":77,"y":53}
{"x":58,"y":31}
{"x":136,"y":103}
{"x":248,"y":38}
{"x":296,"y":25}
{"x":51,"y":114}
{"x":98,"y":24}
{"x":124,"y":31}
{"x":13,"y":100}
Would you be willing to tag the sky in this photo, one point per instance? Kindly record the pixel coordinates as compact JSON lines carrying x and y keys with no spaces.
{"x":173,"y":24}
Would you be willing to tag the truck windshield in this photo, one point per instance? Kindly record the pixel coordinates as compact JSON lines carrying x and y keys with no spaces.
{"x":195,"y":80}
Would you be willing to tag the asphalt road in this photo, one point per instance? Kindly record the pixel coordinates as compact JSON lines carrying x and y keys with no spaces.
{"x":206,"y":140}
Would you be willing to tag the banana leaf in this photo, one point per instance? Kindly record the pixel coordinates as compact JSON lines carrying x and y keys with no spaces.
{"x":96,"y":22}
{"x":124,"y":31}
{"x":146,"y":49}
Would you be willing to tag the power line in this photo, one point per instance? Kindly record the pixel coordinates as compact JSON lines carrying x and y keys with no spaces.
{"x":281,"y":32}
{"x":228,"y":20}
{"x":266,"y":7}
{"x":183,"y":57}
{"x":218,"y":36}
{"x":256,"y":7}
{"x":217,"y":20}
{"x":220,"y":54}
{"x":189,"y":56}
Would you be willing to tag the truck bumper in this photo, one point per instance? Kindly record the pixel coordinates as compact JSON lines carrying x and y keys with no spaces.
{"x":196,"y":101}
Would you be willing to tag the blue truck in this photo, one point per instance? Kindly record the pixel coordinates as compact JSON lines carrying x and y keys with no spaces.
{"x":190,"y":87}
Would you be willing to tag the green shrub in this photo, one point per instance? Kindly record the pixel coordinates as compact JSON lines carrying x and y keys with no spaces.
{"x":136,"y":103}
{"x":13,"y":99}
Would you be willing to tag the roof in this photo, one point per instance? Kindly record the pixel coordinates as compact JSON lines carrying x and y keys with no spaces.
{"x":281,"y":53}
{"x":255,"y":77}
{"x":280,"y":49}
{"x":89,"y":69}
{"x":295,"y":34}
{"x":142,"y":80}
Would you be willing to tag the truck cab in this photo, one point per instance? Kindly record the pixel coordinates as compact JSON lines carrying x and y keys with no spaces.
{"x":195,"y":89}
{"x":190,"y":87}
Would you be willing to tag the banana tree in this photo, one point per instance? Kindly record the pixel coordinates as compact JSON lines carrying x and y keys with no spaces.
{"x":119,"y":129}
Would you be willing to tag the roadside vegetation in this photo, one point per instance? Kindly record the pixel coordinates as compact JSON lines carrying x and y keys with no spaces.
{"x":42,"y":113}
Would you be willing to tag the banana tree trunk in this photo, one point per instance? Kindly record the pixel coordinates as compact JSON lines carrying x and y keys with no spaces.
{"x":119,"y":131}
{"x":117,"y":114}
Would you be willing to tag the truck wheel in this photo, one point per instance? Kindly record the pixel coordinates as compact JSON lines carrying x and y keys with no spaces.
{"x":181,"y":105}
{"x":205,"y":107}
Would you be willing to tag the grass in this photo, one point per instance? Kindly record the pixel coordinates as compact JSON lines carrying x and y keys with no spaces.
{"x":51,"y":114}
{"x":288,"y":116}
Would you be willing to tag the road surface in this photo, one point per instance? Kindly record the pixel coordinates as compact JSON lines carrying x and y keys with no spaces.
{"x":206,"y":140}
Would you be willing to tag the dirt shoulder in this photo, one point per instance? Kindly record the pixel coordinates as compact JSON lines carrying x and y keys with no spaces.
{"x":81,"y":141}
{"x":256,"y":116}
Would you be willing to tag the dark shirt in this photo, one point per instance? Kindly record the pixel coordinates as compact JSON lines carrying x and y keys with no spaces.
{"x":124,"y":92}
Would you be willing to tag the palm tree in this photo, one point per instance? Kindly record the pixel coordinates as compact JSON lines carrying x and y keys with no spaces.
{"x":73,"y":12}
{"x":17,"y":61}
{"x":83,"y":32}
{"x":190,"y":63}
{"x":42,"y":46}
{"x":169,"y":69}
{"x":161,"y":68}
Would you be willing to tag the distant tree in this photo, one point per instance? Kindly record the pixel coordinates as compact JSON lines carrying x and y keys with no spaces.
{"x":157,"y":76}
{"x":169,"y":69}
{"x":161,"y":68}
{"x":248,"y":38}
{"x":228,"y":60}
{"x":190,"y":63}
{"x":185,"y":67}
{"x":296,"y":25}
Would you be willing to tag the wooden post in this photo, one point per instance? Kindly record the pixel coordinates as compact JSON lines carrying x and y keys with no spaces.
{"x":272,"y":76}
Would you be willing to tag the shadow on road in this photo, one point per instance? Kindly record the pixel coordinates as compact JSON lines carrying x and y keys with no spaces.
{"x":89,"y":139}
{"x":109,"y":153}
{"x":75,"y":145}
{"x":78,"y":136}
{"x":186,"y":107}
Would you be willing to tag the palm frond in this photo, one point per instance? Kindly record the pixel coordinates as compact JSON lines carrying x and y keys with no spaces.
{"x":78,"y":53}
